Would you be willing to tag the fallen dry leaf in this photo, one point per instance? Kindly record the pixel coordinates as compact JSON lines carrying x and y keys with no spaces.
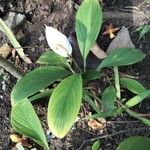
{"x":98,"y":52}
{"x":13,"y":52}
{"x":121,"y":40}
{"x":95,"y":124}
{"x":15,"y":138}
{"x":25,"y":143}
{"x":5,"y":50}
{"x":110,"y":31}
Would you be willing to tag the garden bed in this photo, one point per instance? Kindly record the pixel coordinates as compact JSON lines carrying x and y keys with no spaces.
{"x":61,"y":15}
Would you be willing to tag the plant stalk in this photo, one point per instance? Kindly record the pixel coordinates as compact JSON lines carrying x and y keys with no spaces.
{"x":85,"y":65}
{"x":117,"y":82}
{"x":72,"y":59}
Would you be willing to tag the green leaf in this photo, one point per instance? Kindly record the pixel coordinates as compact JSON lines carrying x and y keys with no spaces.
{"x":137,"y":116}
{"x":90,"y":75}
{"x":122,"y":57}
{"x":96,"y":145}
{"x":53,"y":59}
{"x":108,"y":99}
{"x":25,"y":121}
{"x":137,"y":99}
{"x":64,"y":105}
{"x":147,"y":1}
{"x":13,"y":40}
{"x":132,"y":85}
{"x":139,"y":28}
{"x":135,"y":143}
{"x":88,"y":24}
{"x":36,"y":80}
{"x":144,"y":30}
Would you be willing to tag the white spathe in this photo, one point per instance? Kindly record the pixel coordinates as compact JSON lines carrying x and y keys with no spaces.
{"x":58,"y":42}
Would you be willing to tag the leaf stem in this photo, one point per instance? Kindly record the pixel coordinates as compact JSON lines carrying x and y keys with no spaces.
{"x":45,"y":93}
{"x":84,"y":65}
{"x":134,"y":114}
{"x":71,"y":58}
{"x":117,"y":82}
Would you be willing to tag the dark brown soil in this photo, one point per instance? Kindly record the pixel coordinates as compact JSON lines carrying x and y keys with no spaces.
{"x":61,"y":14}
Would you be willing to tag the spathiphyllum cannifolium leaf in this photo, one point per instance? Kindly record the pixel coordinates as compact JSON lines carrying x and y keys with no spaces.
{"x":88,"y":24}
{"x":36,"y":80}
{"x":52,"y":59}
{"x":122,"y":57}
{"x":25,"y":121}
{"x":108,"y":99}
{"x":135,"y":143}
{"x":133,"y":85}
{"x":64,"y":105}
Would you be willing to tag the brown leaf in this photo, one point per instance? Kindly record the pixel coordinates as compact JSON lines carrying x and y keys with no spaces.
{"x":98,"y":52}
{"x":95,"y":124}
{"x":5,"y":50}
{"x":25,"y":143}
{"x":15,"y":138}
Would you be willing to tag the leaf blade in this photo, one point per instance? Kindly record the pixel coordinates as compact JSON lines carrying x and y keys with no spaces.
{"x":108,"y":99}
{"x":13,"y":40}
{"x":122,"y":57}
{"x":135,"y":142}
{"x":25,"y":121}
{"x":132,"y":85}
{"x":36,"y":80}
{"x":96,"y":145}
{"x":64,"y":105}
{"x":53,"y":59}
{"x":87,"y":28}
{"x":137,"y":99}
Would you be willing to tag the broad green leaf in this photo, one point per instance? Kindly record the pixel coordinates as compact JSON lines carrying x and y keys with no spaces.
{"x":137,"y":99}
{"x":108,"y":99}
{"x":36,"y":80}
{"x":91,"y":75}
{"x":53,"y":59}
{"x":4,"y":28}
{"x":122,"y":57}
{"x":64,"y":105}
{"x":88,"y":24}
{"x":96,"y":145}
{"x":132,"y":85}
{"x":25,"y":121}
{"x":135,"y":143}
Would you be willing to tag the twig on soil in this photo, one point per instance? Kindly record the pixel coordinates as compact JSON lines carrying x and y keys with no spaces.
{"x":88,"y":131}
{"x":144,"y":115}
{"x":121,"y":122}
{"x":110,"y":135}
{"x":129,"y":76}
{"x":10,"y":67}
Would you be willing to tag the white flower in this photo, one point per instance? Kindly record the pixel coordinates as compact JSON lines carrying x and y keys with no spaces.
{"x":58,"y":42}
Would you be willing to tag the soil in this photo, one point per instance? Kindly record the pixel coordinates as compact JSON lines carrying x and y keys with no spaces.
{"x":61,"y":15}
